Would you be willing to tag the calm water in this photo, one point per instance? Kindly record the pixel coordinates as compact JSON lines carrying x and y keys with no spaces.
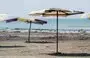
{"x":63,"y":24}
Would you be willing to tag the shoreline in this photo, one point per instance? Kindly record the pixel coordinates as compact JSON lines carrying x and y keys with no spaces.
{"x":48,"y":36}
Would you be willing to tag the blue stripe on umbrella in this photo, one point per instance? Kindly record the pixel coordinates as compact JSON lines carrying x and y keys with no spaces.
{"x":40,"y":21}
{"x":11,"y":20}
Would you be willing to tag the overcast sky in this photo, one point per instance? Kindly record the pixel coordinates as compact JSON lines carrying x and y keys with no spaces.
{"x":23,"y":7}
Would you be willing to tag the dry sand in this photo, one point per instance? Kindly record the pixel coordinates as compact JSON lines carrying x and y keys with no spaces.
{"x":42,"y":50}
{"x":16,"y":47}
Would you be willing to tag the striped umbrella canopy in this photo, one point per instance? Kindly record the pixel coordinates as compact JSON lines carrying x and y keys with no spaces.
{"x":29,"y":20}
{"x":52,"y":12}
{"x":55,"y":12}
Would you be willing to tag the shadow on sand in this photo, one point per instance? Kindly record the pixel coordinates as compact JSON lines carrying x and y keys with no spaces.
{"x":38,"y":42}
{"x":69,"y":54}
{"x":11,"y":46}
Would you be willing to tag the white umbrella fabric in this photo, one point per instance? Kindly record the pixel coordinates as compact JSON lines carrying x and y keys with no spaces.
{"x":86,"y":15}
{"x":3,"y":16}
{"x":55,"y":12}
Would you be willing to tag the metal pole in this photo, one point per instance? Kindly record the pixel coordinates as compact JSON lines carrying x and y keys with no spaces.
{"x":57,"y":34}
{"x":29,"y":32}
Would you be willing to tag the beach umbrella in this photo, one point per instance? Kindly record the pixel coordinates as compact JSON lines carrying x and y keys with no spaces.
{"x":29,"y":20}
{"x":55,"y":12}
{"x":36,"y":21}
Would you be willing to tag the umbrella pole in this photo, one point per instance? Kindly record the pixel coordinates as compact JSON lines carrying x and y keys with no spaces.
{"x":57,"y":34}
{"x":29,"y":32}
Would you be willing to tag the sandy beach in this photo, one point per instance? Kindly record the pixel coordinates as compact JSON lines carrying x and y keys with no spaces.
{"x":43,"y":45}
